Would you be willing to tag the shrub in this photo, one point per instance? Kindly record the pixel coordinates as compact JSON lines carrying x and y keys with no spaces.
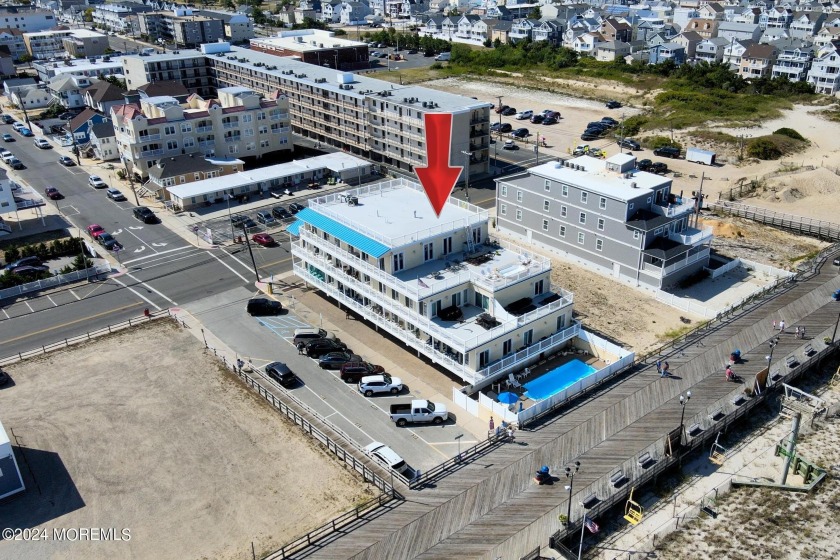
{"x":790,"y":133}
{"x":654,"y":142}
{"x":763,"y":148}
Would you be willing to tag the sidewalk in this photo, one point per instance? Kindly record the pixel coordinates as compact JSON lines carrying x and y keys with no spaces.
{"x":424,"y":380}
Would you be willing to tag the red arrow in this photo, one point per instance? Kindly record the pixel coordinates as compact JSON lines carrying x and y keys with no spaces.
{"x":438,"y":177}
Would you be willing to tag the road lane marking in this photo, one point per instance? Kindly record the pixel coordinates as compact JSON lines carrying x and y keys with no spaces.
{"x":149,"y":287}
{"x":246,"y":265}
{"x":75,"y":295}
{"x":157,"y":253}
{"x":163,"y":261}
{"x":228,"y":266}
{"x":68,"y":323}
{"x":138,"y":294}
{"x":6,"y":314}
{"x":339,"y":413}
{"x":29,"y":306}
{"x":415,"y":434}
{"x":51,"y":301}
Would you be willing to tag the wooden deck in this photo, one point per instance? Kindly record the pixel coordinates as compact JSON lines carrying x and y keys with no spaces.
{"x":491,"y":508}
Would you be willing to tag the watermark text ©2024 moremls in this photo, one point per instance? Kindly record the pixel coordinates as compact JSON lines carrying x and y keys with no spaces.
{"x":72,"y":534}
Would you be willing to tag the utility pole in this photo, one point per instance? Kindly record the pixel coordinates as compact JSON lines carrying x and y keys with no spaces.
{"x":250,"y":252}
{"x":467,"y":156}
{"x":699,"y":202}
{"x":130,"y":182}
{"x":499,"y":139}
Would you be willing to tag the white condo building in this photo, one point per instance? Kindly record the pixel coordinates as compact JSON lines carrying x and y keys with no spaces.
{"x":441,"y":286}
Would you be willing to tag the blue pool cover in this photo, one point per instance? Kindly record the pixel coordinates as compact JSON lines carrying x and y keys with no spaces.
{"x":557,"y":379}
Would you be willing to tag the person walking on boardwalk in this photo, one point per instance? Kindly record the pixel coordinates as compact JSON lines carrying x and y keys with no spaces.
{"x":782,"y":326}
{"x":665,"y":367}
{"x":659,"y":367}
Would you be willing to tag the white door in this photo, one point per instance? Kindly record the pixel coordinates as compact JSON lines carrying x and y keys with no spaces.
{"x":528,"y":235}
{"x":616,"y":269}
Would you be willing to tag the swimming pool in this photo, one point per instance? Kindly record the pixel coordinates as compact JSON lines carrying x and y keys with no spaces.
{"x":557,"y":379}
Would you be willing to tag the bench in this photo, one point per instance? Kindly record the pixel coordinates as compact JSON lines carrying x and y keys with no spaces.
{"x":739,"y":400}
{"x":717,"y":415}
{"x":618,"y":479}
{"x":791,"y":361}
{"x":694,"y":429}
{"x":808,"y":350}
{"x":590,"y":501}
{"x":646,"y":460}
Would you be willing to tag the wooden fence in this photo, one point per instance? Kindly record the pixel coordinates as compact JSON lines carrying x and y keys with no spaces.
{"x":820,"y":229}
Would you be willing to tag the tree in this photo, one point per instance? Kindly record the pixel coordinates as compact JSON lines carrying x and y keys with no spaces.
{"x":27,"y":58}
{"x":88,"y":15}
{"x":535,"y":13}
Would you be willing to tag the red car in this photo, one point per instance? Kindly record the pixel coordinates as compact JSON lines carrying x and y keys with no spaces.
{"x":52,"y":193}
{"x":262,"y":239}
{"x":95,"y":230}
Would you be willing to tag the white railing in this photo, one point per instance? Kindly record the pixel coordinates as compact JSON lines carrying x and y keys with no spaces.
{"x":323,"y":205}
{"x":53,"y":281}
{"x":672,"y":210}
{"x":511,"y":362}
{"x":691,"y":236}
{"x":720,"y":271}
{"x":660,"y":272}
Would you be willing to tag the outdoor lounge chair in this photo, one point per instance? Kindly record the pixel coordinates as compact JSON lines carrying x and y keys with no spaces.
{"x":513,"y":382}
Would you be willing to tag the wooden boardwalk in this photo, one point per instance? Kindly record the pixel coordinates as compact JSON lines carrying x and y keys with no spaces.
{"x":491,"y":508}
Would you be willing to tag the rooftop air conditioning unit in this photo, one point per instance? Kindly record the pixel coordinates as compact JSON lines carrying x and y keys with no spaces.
{"x":634,"y":185}
{"x":425,"y":104}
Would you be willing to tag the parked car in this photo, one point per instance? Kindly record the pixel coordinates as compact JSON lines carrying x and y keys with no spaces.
{"x":411,"y":51}
{"x":537,"y":119}
{"x":4,"y":153}
{"x":389,"y":458}
{"x":280,"y":372}
{"x":241,"y":221}
{"x":500,"y":109}
{"x":419,"y":411}
{"x":510,"y":111}
{"x":265,"y":217}
{"x":308,"y":334}
{"x":30,"y":271}
{"x":373,"y":384}
{"x":321,"y":346}
{"x":8,"y":138}
{"x":590,"y":135}
{"x":667,"y":151}
{"x":501,"y":127}
{"x":25,"y":261}
{"x":67,"y":116}
{"x":613,"y":104}
{"x":353,"y":372}
{"x":609,"y":121}
{"x":510,"y":145}
{"x":334,"y":360}
{"x":66,"y":161}
{"x":630,"y":144}
{"x":524,"y":115}
{"x":264,"y":306}
{"x":94,"y":230}
{"x":4,"y":378}
{"x":115,"y":195}
{"x":8,"y":119}
{"x":596,"y":153}
{"x":659,"y":168}
{"x":145,"y":215}
{"x":15,"y":163}
{"x":96,"y":182}
{"x":551,"y":120}
{"x":263,"y":239}
{"x":644,"y":164}
{"x":520,"y":133}
{"x":280,"y":212}
{"x":548,"y":113}
{"x":26,"y":132}
{"x":42,"y":143}
{"x":52,"y":193}
{"x":295,"y":207}
{"x":108,"y":241}
{"x":597,"y":125}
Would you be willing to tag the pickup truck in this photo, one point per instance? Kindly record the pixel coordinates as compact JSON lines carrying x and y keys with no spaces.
{"x":418,"y":411}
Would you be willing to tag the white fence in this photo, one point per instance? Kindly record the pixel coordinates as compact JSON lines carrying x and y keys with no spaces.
{"x":498,"y":409}
{"x":718,"y":272}
{"x":54,"y":281}
{"x":687,"y":305}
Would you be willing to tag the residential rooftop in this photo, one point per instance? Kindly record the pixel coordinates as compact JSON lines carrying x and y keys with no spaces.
{"x":305,"y":42}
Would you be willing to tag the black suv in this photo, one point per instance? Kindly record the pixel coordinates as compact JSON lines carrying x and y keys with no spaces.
{"x":321,"y":346}
{"x":280,"y":212}
{"x":644,"y":164}
{"x":667,"y":151}
{"x":263,"y":306}
{"x":144,"y":215}
{"x":280,"y":372}
{"x":659,"y":168}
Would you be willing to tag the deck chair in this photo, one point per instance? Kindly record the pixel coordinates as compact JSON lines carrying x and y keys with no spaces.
{"x":513,"y":382}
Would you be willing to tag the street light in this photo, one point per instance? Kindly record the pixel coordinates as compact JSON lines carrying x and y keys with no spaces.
{"x":570,"y":474}
{"x":467,"y":156}
{"x":769,"y":357}
{"x":458,"y":439}
{"x":683,"y":401}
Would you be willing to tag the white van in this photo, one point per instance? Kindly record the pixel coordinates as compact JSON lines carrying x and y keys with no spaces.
{"x":443,"y":57}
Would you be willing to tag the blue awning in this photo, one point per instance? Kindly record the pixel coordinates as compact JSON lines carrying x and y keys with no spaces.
{"x":294,"y":228}
{"x":353,"y":238}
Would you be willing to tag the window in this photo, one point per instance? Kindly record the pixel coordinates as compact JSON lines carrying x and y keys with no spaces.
{"x":189,"y":142}
{"x":504,"y":190}
{"x":507,"y":346}
{"x":565,"y":190}
{"x":538,"y":287}
{"x":261,"y":116}
{"x":518,"y":196}
{"x":483,"y":358}
{"x":247,"y":118}
{"x":562,"y":231}
{"x":601,"y":224}
{"x":547,"y":185}
{"x":582,"y":218}
{"x":602,"y":203}
{"x":635,"y":234}
{"x":172,"y":145}
{"x":584,"y":196}
{"x":545,"y":225}
{"x":581,"y":238}
{"x":657,"y":231}
{"x":518,"y":215}
{"x":399,"y":262}
{"x":599,"y":244}
{"x":186,"y":128}
{"x":447,"y":245}
{"x":503,"y":209}
{"x":428,"y":251}
{"x":630,"y":207}
{"x":563,"y":211}
{"x":248,"y":132}
{"x":169,"y":130}
{"x":263,"y":130}
{"x":528,"y":337}
{"x":546,"y":205}
{"x":265,"y":143}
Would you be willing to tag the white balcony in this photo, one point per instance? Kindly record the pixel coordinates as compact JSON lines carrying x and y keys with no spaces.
{"x":661,"y":272}
{"x":691,"y":236}
{"x":682,"y":206}
{"x":148,"y":137}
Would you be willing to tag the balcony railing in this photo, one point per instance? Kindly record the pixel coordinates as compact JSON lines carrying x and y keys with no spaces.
{"x":672,"y":210}
{"x":513,"y":361}
{"x":151,"y":153}
{"x":148,"y":137}
{"x":201,"y":129}
{"x":230,"y":139}
{"x":660,"y":272}
{"x":234,"y":124}
{"x":691,"y":236}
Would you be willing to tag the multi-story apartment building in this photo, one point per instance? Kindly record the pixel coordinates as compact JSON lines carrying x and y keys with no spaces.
{"x":438,"y":284}
{"x":825,"y":70}
{"x":26,"y":19}
{"x":92,"y":68}
{"x":377,"y":120}
{"x":316,"y":46}
{"x":13,"y":40}
{"x":182,"y":27}
{"x":240,"y":123}
{"x":51,"y":44}
{"x":606,"y":213}
{"x":793,"y":63}
{"x":120,"y":17}
{"x":238,"y":27}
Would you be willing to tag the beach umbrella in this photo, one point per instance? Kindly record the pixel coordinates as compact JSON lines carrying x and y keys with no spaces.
{"x":507,"y":398}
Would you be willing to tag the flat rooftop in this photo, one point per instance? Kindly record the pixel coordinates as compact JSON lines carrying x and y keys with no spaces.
{"x":595,"y":178}
{"x":397,"y":213}
{"x":306,"y":43}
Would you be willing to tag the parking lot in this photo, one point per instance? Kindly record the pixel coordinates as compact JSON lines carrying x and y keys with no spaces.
{"x":267,"y":339}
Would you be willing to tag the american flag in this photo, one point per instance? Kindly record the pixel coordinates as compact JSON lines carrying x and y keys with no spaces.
{"x":422,"y":284}
{"x":591,"y":525}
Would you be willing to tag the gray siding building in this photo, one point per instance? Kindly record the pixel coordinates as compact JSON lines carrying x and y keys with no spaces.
{"x":607,"y":214}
